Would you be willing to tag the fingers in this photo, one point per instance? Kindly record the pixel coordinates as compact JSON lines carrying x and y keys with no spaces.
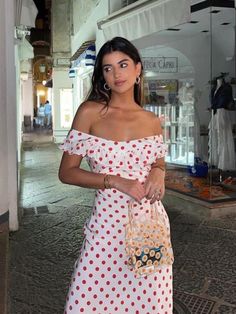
{"x":156,"y":196}
{"x":153,"y":193}
{"x":138,"y":191}
{"x":149,"y":191}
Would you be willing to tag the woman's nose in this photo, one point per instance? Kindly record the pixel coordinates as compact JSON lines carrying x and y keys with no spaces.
{"x":116,"y":73}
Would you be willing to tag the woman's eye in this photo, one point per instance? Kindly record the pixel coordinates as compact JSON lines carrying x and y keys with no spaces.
{"x":123,"y":65}
{"x":107,"y":69}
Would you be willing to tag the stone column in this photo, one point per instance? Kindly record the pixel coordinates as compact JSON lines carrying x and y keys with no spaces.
{"x":8,"y":144}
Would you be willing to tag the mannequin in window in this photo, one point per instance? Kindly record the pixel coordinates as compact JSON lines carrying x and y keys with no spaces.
{"x":221,"y":94}
{"x":221,"y":142}
{"x":186,"y":93}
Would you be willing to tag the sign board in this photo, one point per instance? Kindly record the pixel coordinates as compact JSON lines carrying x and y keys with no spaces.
{"x":161,"y":64}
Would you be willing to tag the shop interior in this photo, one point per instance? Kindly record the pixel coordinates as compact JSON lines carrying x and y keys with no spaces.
{"x":190,"y":83}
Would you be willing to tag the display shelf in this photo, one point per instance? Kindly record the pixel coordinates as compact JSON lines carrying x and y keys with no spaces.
{"x":178,"y":123}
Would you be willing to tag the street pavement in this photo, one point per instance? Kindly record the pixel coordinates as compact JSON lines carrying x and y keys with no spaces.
{"x":43,"y":251}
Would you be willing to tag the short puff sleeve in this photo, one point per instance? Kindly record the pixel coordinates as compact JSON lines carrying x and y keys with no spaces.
{"x":76,"y":143}
{"x":161,"y":149}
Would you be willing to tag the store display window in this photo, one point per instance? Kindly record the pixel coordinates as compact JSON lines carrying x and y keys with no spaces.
{"x":190,"y":83}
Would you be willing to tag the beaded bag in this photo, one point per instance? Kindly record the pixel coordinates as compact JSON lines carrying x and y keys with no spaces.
{"x":147,"y":241}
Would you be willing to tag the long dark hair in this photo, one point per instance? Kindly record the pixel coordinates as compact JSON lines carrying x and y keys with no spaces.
{"x":98,"y":92}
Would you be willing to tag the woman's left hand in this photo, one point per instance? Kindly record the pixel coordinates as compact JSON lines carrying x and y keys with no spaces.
{"x":155,"y":185}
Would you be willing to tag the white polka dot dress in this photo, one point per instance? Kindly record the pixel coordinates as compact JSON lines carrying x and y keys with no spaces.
{"x":101,"y":282}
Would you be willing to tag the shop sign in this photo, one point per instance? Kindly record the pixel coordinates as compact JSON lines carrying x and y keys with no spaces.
{"x":161,"y":64}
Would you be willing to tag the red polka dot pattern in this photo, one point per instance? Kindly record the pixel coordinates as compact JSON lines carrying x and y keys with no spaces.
{"x":101,"y":282}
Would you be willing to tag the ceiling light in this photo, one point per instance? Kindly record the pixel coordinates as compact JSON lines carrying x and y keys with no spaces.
{"x":205,"y":31}
{"x":194,"y":22}
{"x":215,"y":11}
{"x":226,"y":23}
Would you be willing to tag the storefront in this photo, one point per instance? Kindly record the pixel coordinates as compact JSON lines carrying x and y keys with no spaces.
{"x":189,"y":66}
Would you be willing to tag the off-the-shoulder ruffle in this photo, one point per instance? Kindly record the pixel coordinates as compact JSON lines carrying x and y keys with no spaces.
{"x":115,"y":153}
{"x":76,"y":143}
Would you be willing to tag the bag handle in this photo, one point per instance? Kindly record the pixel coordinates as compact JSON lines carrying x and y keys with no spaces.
{"x":153,"y":211}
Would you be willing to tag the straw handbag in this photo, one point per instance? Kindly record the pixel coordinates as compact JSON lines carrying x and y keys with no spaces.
{"x":147,"y":240}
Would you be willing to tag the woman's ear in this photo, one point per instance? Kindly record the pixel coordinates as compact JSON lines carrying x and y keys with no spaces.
{"x":138,"y":68}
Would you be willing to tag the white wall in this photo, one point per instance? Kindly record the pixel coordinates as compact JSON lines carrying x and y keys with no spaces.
{"x":89,"y":27}
{"x":8,"y":143}
{"x":18,"y":107}
{"x":81,"y":12}
{"x":3,"y":114}
{"x":61,"y":80}
{"x":27,"y":97}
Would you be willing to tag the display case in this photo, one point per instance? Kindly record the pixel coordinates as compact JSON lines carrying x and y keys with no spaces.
{"x":175,"y":108}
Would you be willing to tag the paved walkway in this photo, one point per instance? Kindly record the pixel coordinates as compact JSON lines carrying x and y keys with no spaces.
{"x":43,"y":251}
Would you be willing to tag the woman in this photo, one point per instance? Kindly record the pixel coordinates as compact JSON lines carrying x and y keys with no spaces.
{"x":124,"y":148}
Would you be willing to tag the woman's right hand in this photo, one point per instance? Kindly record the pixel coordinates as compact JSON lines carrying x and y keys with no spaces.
{"x":130,"y":187}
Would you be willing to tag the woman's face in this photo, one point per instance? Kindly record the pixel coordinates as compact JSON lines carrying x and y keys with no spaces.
{"x":120,"y":71}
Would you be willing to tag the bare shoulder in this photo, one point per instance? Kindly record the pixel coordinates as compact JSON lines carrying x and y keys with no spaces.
{"x":86,"y":114}
{"x":152,"y":120}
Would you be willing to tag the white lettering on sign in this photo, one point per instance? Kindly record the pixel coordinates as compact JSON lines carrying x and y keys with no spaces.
{"x":161,"y":64}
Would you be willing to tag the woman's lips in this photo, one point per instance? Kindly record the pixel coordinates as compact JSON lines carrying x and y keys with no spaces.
{"x":119,"y":83}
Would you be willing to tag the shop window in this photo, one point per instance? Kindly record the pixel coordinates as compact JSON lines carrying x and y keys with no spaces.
{"x":190,"y":83}
{"x":169,"y":93}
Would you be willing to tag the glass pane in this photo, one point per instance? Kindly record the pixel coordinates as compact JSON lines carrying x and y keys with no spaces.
{"x":222,"y":157}
{"x":181,"y":68}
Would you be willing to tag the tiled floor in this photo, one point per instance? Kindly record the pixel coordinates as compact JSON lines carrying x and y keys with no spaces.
{"x":43,"y":251}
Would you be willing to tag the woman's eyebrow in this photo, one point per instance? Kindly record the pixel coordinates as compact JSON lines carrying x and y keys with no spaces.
{"x":123,"y":60}
{"x":106,"y":65}
{"x":119,"y":62}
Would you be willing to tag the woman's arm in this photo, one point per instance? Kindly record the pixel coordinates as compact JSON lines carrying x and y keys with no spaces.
{"x":155,"y":182}
{"x":71,"y":173}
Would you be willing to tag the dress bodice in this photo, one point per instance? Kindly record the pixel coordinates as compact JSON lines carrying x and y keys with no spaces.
{"x":128,"y":158}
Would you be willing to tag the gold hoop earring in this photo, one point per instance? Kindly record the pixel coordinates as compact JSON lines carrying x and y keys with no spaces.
{"x":137,"y":81}
{"x":106,"y":87}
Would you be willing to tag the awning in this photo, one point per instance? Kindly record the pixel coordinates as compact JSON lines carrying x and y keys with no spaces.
{"x":86,"y":54}
{"x":143,"y":18}
{"x":26,"y":12}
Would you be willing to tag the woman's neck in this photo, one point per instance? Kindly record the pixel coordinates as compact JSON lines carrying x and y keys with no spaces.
{"x":123,"y":101}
